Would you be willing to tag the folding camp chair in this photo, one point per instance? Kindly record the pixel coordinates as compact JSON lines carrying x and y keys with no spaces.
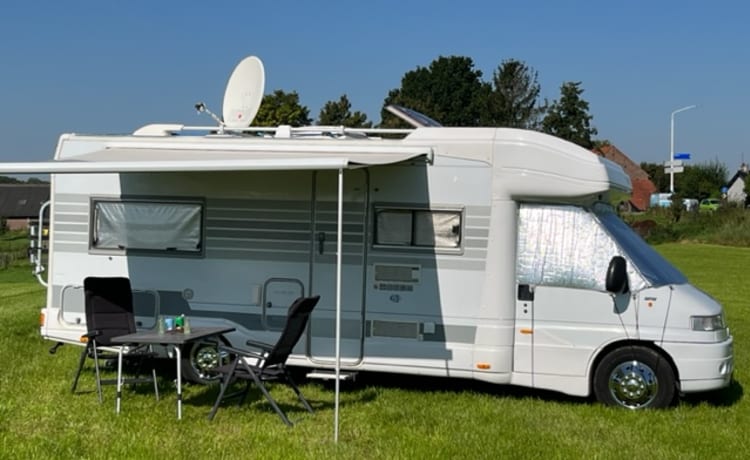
{"x":267,"y":362}
{"x":109,"y":313}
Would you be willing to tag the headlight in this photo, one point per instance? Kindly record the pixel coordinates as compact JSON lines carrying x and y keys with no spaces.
{"x":708,"y":323}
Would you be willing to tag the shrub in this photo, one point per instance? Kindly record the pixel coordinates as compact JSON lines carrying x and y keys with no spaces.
{"x":728,"y":226}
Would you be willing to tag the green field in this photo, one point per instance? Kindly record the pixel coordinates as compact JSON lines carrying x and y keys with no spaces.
{"x":13,"y":246}
{"x":382,"y":416}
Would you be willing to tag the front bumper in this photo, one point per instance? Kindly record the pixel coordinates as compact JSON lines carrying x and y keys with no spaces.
{"x":702,"y":366}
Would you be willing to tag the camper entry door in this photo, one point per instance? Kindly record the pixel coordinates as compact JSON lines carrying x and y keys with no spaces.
{"x":323,"y":265}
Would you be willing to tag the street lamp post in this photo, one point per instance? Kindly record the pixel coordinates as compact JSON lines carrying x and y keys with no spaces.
{"x":671,"y":145}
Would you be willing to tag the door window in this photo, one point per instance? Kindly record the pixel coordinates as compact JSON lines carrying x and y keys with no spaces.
{"x":562,"y":246}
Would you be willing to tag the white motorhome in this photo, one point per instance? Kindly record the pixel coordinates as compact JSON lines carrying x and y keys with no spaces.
{"x":481,"y":253}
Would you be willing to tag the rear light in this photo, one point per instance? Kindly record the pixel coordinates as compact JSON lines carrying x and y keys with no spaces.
{"x":41,"y":318}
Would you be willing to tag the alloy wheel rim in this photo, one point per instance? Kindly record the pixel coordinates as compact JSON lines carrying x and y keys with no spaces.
{"x":633,"y":384}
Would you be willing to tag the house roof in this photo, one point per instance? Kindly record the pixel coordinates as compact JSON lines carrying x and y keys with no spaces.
{"x":22,"y":200}
{"x":739,"y":175}
{"x":736,"y":189}
{"x":642,"y":185}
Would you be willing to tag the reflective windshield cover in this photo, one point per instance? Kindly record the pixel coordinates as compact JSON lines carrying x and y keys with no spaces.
{"x":654,"y":268}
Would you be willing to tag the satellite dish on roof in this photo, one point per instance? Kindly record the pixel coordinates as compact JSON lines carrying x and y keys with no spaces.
{"x":244,"y":93}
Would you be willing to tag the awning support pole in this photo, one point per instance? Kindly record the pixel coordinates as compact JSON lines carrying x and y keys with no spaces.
{"x":339,"y":229}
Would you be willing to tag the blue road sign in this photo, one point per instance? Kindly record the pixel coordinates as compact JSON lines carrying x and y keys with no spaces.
{"x":681,"y":156}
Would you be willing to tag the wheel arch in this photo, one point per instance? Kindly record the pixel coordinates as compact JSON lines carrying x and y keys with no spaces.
{"x":610,"y":347}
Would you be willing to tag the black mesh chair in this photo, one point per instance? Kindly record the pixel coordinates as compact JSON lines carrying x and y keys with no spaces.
{"x":267,"y":362}
{"x":109,"y":313}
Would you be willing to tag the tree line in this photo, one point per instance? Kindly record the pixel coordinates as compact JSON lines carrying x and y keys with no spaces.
{"x":451,"y":90}
{"x":696,"y":181}
{"x":13,"y":180}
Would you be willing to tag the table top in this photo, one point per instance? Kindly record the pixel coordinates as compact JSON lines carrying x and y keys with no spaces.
{"x":171,"y":337}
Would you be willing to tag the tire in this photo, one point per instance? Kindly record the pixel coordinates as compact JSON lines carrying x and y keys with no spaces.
{"x":634,"y":377}
{"x":199,"y":359}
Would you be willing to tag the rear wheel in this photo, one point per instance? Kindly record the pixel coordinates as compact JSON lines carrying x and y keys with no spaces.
{"x":199,"y":361}
{"x":634,"y":377}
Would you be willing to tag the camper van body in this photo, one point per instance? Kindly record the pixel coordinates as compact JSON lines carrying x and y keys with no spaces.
{"x":478,"y":253}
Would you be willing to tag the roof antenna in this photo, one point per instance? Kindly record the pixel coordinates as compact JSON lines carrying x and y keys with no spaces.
{"x":201,"y":107}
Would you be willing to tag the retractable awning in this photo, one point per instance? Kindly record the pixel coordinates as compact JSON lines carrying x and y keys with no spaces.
{"x":123,"y":160}
{"x":253,"y":157}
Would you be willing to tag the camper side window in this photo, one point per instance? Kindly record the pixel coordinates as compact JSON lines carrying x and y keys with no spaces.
{"x":133,"y":225}
{"x":419,"y":228}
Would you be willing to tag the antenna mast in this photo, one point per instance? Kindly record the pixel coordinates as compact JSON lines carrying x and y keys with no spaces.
{"x":201,"y":107}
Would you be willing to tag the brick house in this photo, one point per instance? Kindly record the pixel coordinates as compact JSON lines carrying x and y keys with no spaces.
{"x":20,"y":203}
{"x":642,"y":185}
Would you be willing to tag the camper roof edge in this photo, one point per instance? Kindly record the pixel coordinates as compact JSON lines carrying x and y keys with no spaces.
{"x":531,"y":164}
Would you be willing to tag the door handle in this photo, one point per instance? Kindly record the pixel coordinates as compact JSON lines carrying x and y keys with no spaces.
{"x":321,"y":242}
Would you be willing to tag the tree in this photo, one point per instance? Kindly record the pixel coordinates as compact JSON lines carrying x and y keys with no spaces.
{"x":568,"y":118}
{"x":450,"y":91}
{"x":696,"y":181}
{"x":281,"y":108}
{"x":514,"y":101}
{"x":656,"y":173}
{"x":702,"y":180}
{"x":338,"y":113}
{"x":9,"y":180}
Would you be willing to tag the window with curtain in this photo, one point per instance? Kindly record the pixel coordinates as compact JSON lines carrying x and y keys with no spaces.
{"x":419,"y":228}
{"x":140,"y":225}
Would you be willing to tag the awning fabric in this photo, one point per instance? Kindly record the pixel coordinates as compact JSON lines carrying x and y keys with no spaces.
{"x":121,"y":160}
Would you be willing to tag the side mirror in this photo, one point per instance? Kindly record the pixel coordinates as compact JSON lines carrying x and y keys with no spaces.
{"x":617,"y":276}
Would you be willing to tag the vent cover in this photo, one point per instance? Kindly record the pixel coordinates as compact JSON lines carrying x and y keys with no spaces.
{"x":397,"y":273}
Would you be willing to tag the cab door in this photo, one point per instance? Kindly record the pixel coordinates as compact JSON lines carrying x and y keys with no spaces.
{"x":569,"y":325}
{"x":564,"y":253}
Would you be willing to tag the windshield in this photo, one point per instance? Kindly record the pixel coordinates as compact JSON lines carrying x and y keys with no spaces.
{"x":653,"y":267}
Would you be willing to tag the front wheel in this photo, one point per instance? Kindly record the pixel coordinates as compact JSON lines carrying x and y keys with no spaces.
{"x":200,"y":359}
{"x":634,"y":377}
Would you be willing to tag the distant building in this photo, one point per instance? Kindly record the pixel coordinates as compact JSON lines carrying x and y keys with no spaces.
{"x":642,"y":185}
{"x":736,"y":192}
{"x":20,"y":203}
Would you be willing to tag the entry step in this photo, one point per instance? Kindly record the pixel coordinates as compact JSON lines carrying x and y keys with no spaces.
{"x":327,"y":374}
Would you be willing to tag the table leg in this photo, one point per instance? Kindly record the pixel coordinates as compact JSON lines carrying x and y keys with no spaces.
{"x":178,"y":356}
{"x":119,"y":379}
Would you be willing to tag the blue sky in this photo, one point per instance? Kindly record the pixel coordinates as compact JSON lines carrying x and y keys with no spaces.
{"x":112,"y":66}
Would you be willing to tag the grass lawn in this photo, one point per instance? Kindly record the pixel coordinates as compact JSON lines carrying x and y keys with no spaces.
{"x":382,"y":416}
{"x":13,"y":246}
